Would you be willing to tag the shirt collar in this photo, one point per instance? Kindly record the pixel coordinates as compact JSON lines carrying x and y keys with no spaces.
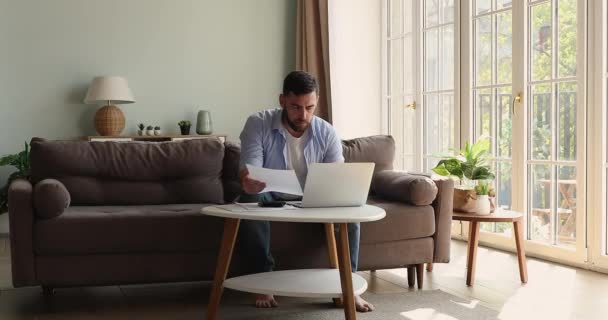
{"x":277,"y":124}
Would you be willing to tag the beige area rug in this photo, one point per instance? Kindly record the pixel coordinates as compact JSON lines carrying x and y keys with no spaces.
{"x":417,"y":305}
{"x":189,"y":301}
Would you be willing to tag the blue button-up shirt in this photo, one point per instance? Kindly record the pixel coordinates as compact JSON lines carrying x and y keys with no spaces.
{"x":263,"y":141}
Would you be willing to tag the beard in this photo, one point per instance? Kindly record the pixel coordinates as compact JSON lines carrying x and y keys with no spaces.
{"x":293,"y":125}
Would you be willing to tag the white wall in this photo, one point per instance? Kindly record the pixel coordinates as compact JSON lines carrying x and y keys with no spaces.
{"x":356,"y":66}
{"x":180,"y":56}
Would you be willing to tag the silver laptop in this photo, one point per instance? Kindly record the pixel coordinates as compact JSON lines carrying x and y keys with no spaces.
{"x":337,"y":185}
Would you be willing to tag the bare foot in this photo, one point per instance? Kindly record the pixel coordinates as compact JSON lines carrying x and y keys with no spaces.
{"x":362,"y":305}
{"x":265,"y":301}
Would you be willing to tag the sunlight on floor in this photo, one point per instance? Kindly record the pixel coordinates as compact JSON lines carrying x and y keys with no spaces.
{"x":470,"y":305}
{"x":426,"y":314}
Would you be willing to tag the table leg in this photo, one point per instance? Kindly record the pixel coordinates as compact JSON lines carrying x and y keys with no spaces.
{"x":346,"y":277}
{"x":333,"y":253}
{"x":231,"y":228}
{"x":521,"y":254}
{"x":429,"y":267}
{"x":472,"y":251}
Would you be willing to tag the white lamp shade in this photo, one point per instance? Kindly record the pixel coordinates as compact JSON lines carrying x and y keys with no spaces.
{"x":114,"y":89}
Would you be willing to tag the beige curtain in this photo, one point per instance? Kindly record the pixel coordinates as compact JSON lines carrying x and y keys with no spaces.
{"x":312,"y":49}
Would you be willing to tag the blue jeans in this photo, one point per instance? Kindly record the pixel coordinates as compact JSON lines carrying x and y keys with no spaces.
{"x":254,"y":239}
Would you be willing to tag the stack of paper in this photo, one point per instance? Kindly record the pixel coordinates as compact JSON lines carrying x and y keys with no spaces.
{"x":284,"y":181}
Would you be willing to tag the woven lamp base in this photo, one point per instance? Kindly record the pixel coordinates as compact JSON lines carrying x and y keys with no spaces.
{"x":109,"y":121}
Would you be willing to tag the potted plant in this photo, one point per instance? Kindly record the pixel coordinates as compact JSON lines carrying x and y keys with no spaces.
{"x":184,"y":127}
{"x":471,"y":167}
{"x":150,"y":130}
{"x":141,"y":128}
{"x":21,"y":161}
{"x":157,"y":131}
{"x":483,"y":189}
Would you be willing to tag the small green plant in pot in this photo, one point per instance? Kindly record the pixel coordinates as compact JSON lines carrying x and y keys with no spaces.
{"x":184,"y":127}
{"x":150,"y":130}
{"x":140,"y":131}
{"x":471,"y":167}
{"x":21,"y":161}
{"x":484,"y":191}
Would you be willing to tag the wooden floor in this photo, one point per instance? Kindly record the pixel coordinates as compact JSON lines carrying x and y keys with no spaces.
{"x":553,"y":291}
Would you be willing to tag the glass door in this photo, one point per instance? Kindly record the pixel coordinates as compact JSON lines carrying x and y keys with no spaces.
{"x":401,"y":82}
{"x":555,"y":154}
{"x":527,"y":89}
{"x":420,"y":80}
{"x":439,"y":107}
{"x":492,"y":40}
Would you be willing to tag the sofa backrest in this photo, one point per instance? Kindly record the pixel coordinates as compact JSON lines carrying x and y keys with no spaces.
{"x":230,"y":174}
{"x":132,"y":173}
{"x":379,"y":149}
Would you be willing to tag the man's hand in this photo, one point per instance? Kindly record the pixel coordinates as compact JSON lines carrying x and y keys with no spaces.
{"x":250,"y":185}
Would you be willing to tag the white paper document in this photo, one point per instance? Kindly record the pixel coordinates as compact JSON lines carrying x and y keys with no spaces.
{"x":243,"y":207}
{"x":284,"y":181}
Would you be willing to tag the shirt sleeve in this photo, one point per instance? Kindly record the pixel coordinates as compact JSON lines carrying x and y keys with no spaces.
{"x":252,"y":151}
{"x":334,"y":147}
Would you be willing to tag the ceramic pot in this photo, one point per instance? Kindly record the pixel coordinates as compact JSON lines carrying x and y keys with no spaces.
{"x":203,"y":122}
{"x":483,"y":204}
{"x":185,"y":130}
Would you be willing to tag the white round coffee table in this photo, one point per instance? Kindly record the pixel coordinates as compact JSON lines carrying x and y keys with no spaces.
{"x":339,"y":282}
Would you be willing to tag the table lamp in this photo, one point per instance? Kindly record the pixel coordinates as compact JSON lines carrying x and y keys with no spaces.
{"x":109,"y":119}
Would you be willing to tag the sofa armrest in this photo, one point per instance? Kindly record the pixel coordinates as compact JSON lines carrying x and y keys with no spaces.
{"x":414,"y":189}
{"x":21,"y":224}
{"x":443,"y":206}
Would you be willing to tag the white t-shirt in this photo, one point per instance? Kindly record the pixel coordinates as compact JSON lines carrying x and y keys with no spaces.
{"x":295,"y":156}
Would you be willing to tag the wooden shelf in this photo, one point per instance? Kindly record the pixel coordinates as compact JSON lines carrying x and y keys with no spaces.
{"x":160,"y":138}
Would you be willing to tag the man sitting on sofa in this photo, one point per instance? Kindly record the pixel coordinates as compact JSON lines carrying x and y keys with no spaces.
{"x":290,"y":137}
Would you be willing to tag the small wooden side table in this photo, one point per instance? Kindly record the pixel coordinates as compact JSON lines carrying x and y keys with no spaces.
{"x":498,"y":216}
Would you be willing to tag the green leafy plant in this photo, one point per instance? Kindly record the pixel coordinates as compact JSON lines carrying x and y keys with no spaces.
{"x":141,"y":126}
{"x":21,"y":161}
{"x":184,"y":123}
{"x":469,"y":163}
{"x":150,"y":128}
{"x":157,"y":128}
{"x":483,"y":188}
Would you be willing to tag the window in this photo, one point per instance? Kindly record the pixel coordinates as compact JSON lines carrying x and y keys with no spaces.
{"x":420,"y":80}
{"x":523,"y":87}
{"x":492,"y":43}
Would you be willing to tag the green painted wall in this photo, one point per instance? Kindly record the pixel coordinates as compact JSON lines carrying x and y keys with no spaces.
{"x":180,"y":56}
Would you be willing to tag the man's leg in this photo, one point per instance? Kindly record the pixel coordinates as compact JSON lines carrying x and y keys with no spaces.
{"x":254,"y":245}
{"x":354,"y":235}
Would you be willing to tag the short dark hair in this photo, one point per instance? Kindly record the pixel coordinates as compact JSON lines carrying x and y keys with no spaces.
{"x":299,"y":83}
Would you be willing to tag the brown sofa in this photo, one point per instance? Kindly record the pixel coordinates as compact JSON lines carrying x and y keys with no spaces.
{"x":133,"y":214}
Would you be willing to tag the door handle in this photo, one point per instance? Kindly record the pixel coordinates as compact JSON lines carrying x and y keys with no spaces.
{"x":516,"y":99}
{"x":411,"y":105}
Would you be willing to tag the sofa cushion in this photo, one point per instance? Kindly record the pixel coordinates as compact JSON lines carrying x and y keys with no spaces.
{"x":414,"y":189}
{"x":51,"y":198}
{"x":230,"y":172}
{"x":379,"y":149}
{"x":132,"y":173}
{"x":402,"y":222}
{"x":128,"y":229}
